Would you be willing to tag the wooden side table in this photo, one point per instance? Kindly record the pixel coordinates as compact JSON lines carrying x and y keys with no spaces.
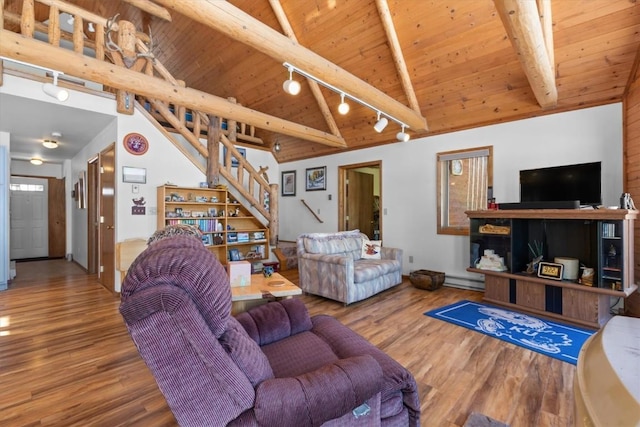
{"x":262,"y":290}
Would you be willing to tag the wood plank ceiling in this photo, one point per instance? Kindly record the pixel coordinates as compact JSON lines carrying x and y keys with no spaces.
{"x":461,"y":65}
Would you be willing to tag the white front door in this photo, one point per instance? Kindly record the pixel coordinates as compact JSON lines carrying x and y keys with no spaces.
{"x":29,"y":215}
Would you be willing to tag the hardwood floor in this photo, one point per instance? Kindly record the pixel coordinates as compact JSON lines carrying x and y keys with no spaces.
{"x":66,"y":358}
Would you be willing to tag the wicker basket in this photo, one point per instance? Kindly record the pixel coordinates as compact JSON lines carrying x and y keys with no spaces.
{"x":427,"y":279}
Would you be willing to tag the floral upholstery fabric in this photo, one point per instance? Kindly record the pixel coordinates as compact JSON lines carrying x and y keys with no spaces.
{"x":329,"y":265}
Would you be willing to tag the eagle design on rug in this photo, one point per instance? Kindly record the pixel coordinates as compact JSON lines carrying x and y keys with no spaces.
{"x":522,"y":328}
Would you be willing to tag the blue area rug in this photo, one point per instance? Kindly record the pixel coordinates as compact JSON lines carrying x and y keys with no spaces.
{"x":543,"y":336}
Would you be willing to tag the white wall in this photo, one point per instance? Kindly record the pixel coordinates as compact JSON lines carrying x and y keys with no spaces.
{"x":409,"y":196}
{"x":408,"y":175}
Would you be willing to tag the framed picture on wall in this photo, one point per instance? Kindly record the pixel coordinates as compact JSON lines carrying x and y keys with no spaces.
{"x":315,"y":179}
{"x":235,"y":162}
{"x":288,"y":183}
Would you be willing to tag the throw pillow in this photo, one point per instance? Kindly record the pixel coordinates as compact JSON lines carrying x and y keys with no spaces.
{"x":371,"y":249}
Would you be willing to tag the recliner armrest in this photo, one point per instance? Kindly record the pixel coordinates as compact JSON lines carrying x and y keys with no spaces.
{"x":313,"y":398}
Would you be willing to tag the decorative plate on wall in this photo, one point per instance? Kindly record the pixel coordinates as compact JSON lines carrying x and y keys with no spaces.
{"x":135,"y":143}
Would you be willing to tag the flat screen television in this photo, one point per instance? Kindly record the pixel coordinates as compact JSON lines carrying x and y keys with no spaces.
{"x":580,"y":182}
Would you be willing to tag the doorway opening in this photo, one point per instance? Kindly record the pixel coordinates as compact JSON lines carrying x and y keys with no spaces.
{"x":360,"y":198}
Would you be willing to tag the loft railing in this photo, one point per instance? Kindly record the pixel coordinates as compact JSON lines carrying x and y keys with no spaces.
{"x":192,"y":125}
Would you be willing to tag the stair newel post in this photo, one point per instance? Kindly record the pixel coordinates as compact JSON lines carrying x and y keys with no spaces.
{"x":127,"y":43}
{"x":213,"y":151}
{"x":273,"y":214}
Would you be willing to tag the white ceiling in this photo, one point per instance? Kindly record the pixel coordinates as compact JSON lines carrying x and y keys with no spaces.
{"x":29,"y":122}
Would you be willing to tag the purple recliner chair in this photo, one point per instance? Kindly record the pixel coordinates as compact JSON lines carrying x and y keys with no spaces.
{"x":271,"y":366}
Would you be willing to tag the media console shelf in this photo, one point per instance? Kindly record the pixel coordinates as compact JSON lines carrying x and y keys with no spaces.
{"x":601,"y":239}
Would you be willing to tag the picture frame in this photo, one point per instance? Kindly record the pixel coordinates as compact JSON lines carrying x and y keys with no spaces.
{"x":288,"y":183}
{"x":234,"y":255}
{"x":234,"y":162}
{"x":82,"y":190}
{"x":316,"y":179}
{"x":134,"y":175}
{"x":207,"y":240}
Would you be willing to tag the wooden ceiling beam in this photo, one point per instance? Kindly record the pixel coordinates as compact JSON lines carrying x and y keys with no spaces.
{"x":315,"y":87}
{"x":396,"y":52}
{"x":151,"y":8}
{"x":15,"y":46}
{"x":521,"y":20}
{"x":224,"y":17}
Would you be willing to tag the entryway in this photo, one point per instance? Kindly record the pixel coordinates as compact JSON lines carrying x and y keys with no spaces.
{"x":359,"y":198}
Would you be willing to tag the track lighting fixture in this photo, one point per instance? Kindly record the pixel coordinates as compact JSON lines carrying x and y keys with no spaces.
{"x":91,"y":28}
{"x":36,"y":161}
{"x":402,"y":135}
{"x":50,"y":89}
{"x":53,"y":90}
{"x":292,"y":87}
{"x":343,"y":108}
{"x":276,"y":147}
{"x":381,"y":123}
{"x":70,"y":20}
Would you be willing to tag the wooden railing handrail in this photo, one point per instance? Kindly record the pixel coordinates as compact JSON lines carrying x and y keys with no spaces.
{"x":311,"y":210}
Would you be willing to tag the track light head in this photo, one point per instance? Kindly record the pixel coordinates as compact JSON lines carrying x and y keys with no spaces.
{"x":276,"y":147}
{"x":36,"y":161}
{"x":292,"y":87}
{"x":54,"y":91}
{"x":381,"y":123}
{"x":343,"y":108}
{"x":402,"y":135}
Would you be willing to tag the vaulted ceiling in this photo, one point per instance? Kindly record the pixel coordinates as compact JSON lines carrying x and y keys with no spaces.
{"x":452,"y":61}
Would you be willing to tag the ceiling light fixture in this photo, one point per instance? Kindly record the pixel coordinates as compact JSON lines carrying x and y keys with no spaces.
{"x":36,"y":161}
{"x":402,"y":135}
{"x":292,"y":87}
{"x":48,"y":88}
{"x":52,"y":89}
{"x":70,"y":20}
{"x":343,"y":108}
{"x":380,"y":124}
{"x":276,"y":147}
{"x":91,"y":28}
{"x":50,"y":143}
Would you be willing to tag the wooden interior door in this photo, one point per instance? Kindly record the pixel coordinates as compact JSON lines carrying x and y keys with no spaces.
{"x":360,"y":202}
{"x":107,"y":232}
{"x":93,"y":217}
{"x":57,"y":219}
